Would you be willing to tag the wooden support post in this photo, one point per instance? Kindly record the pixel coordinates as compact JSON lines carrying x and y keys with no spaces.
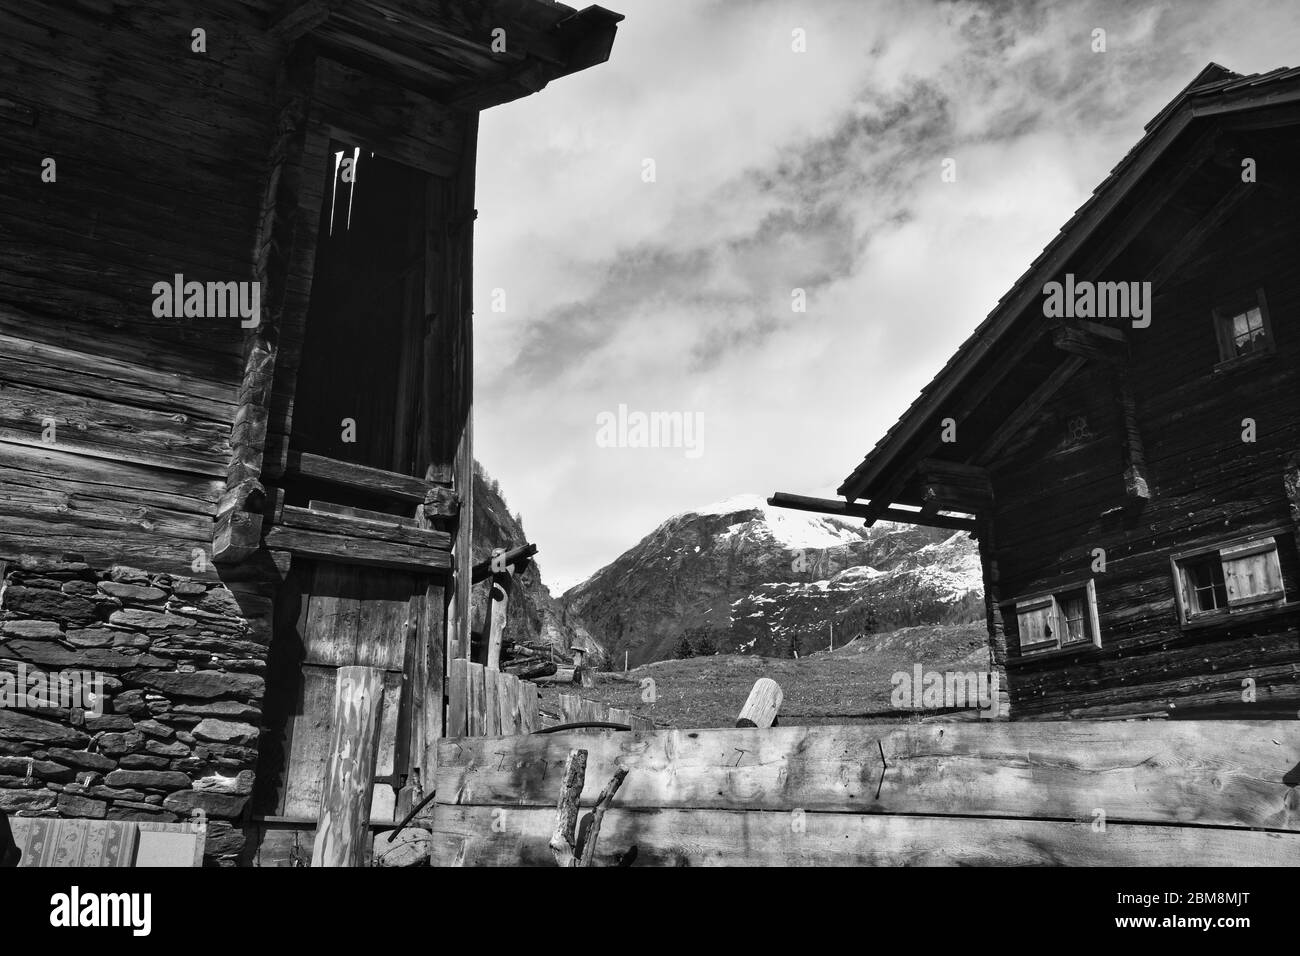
{"x":764,"y":702}
{"x":1136,"y":489}
{"x":993,"y":612}
{"x":498,"y":604}
{"x":344,"y":820}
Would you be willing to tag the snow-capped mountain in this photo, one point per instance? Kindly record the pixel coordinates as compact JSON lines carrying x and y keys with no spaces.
{"x":743,"y":577}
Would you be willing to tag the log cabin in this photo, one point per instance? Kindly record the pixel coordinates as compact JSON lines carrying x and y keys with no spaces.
{"x":236,"y":452}
{"x":1133,"y":479}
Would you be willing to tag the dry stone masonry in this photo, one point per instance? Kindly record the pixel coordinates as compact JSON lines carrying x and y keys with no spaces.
{"x":183,"y":684}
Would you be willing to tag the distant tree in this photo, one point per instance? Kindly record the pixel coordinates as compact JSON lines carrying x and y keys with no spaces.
{"x":705,"y":646}
{"x":684,"y":649}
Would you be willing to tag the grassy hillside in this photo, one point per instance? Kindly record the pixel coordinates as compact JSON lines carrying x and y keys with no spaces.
{"x":851,"y":684}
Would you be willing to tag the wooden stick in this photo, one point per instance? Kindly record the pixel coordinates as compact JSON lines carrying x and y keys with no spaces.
{"x":598,"y":814}
{"x":566,"y":813}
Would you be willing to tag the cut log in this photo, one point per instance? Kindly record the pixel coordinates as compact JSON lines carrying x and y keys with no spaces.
{"x":529,"y":668}
{"x":764,"y":702}
{"x":350,"y":773}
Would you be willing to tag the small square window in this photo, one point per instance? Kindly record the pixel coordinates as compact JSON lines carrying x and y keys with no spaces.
{"x":1065,"y":619}
{"x":1243,"y":327}
{"x":1230,"y":578}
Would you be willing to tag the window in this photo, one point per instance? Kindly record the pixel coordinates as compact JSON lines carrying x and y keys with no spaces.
{"x":1062,"y":620}
{"x":1243,"y":327}
{"x":1231,"y":578}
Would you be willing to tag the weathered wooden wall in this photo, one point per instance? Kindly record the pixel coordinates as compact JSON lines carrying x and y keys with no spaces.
{"x":1055,"y":505}
{"x":146,"y":187}
{"x":1103,"y":793}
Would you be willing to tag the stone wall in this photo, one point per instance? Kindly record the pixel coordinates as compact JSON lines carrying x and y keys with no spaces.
{"x":183,"y":683}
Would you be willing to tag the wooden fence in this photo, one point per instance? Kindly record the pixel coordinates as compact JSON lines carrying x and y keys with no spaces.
{"x":573,"y":708}
{"x":1067,"y":793}
{"x":488,"y":703}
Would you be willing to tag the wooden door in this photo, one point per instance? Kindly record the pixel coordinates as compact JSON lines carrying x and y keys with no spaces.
{"x":337,"y":615}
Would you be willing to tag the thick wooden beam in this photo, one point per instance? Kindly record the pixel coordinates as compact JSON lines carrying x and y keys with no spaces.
{"x":374,"y":481}
{"x":1140,"y":771}
{"x":299,"y":17}
{"x":1018,"y":419}
{"x":782,"y":499}
{"x":351,"y":550}
{"x":349,"y":785}
{"x":463,"y":836}
{"x":355,"y":527}
{"x":1207,"y":226}
{"x":514,"y":560}
{"x":1086,"y":340}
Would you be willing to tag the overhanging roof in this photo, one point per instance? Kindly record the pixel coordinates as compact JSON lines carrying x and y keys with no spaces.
{"x":445,"y":48}
{"x":1215,"y":91}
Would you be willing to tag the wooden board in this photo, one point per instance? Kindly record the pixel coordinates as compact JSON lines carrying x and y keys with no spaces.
{"x":309,"y":746}
{"x":477,"y":702}
{"x":491,"y":703}
{"x":1216,"y":773}
{"x":457,"y":698}
{"x":485,"y":836}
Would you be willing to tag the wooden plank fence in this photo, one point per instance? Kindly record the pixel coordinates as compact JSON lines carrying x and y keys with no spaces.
{"x":489,"y":703}
{"x":1065,"y":793}
{"x":573,"y":708}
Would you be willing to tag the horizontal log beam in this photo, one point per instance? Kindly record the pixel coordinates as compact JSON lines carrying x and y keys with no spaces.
{"x":465,"y":836}
{"x":515,"y":559}
{"x":355,"y":527}
{"x":870,"y":512}
{"x":334,"y":547}
{"x":1149,"y":772}
{"x":1021,"y":417}
{"x":361,"y":477}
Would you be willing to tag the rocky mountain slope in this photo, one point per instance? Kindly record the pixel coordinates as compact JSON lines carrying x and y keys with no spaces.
{"x":534,"y":616}
{"x":741,"y":577}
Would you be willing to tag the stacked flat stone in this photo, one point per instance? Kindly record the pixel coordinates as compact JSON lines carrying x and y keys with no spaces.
{"x":183,"y":681}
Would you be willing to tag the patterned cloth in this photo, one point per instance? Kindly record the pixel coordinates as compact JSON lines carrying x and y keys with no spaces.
{"x":50,"y":841}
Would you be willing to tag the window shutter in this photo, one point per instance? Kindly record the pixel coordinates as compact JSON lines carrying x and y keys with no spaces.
{"x":1251,"y":572}
{"x":1223,"y":333}
{"x":1039,"y":623}
{"x":1094,"y":619}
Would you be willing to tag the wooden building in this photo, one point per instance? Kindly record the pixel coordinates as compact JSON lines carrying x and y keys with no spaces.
{"x":235,"y":388}
{"x":1129,"y":462}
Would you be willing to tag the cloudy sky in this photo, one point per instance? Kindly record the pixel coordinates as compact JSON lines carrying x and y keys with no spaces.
{"x":777,"y":170}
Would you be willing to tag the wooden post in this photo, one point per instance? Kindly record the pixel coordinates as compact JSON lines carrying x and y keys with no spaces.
{"x":498,"y":604}
{"x":566,"y":811}
{"x":761,"y":708}
{"x":344,"y":819}
{"x":569,"y":845}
